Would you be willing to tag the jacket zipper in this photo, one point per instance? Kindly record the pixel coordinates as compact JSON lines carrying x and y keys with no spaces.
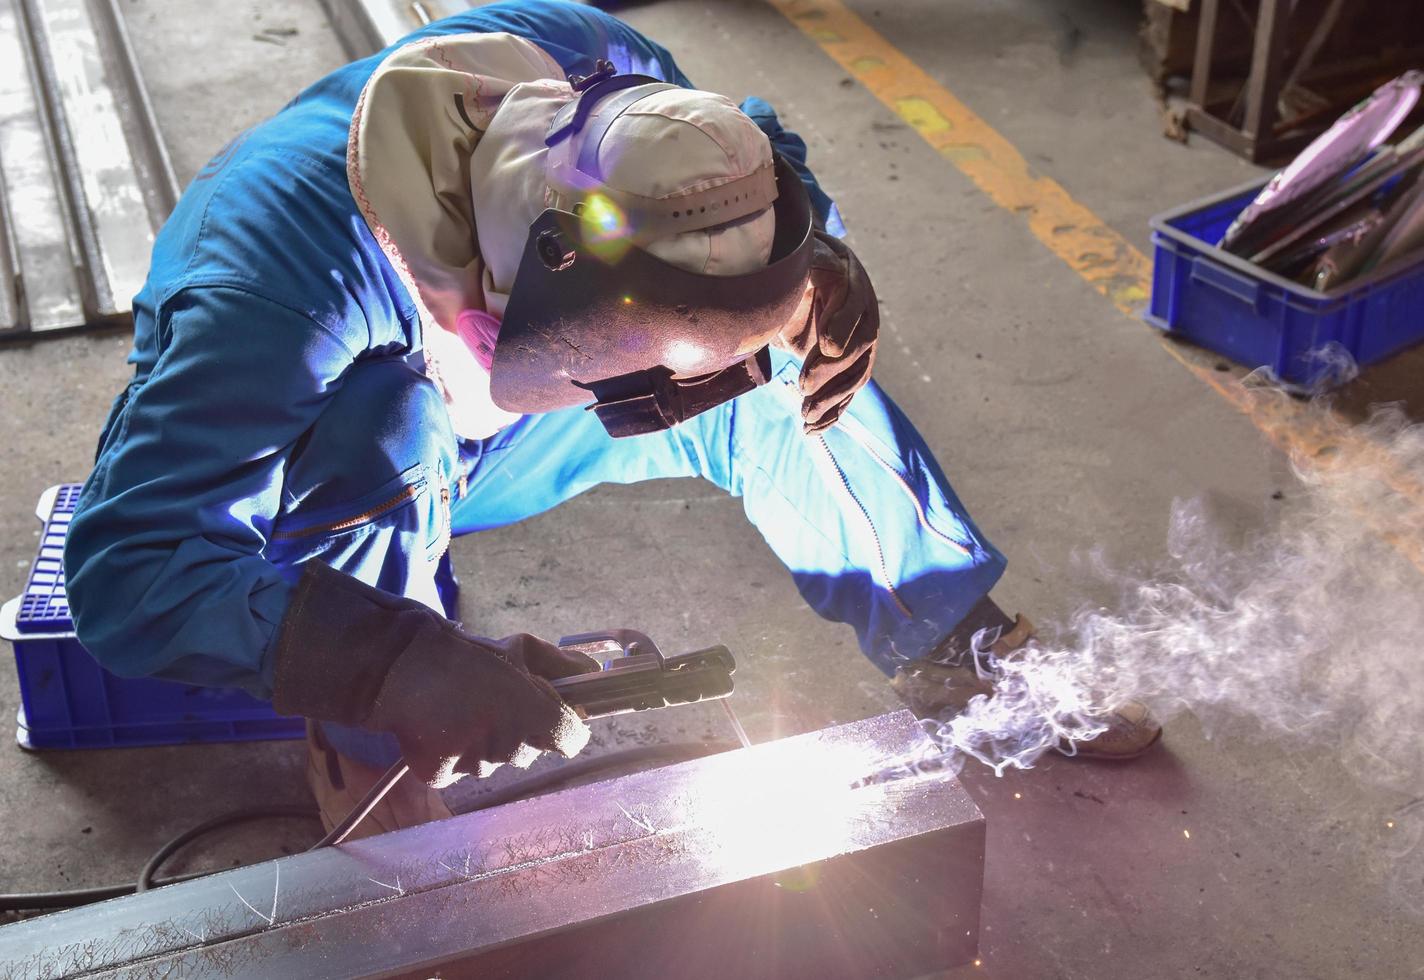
{"x":385,"y":507}
{"x":905,"y":486}
{"x":874,"y":534}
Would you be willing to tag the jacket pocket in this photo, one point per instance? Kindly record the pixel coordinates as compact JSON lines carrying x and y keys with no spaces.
{"x":414,"y":506}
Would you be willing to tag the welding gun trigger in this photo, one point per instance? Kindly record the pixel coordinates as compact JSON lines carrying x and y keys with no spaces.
{"x":605,"y":644}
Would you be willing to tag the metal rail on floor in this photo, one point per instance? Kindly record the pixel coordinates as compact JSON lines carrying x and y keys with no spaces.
{"x":85,"y":177}
{"x":366,"y":26}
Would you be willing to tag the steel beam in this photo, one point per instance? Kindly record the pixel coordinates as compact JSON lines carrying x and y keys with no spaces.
{"x":761,"y":862}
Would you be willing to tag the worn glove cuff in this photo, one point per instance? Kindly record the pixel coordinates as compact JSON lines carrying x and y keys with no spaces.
{"x":337,"y":642}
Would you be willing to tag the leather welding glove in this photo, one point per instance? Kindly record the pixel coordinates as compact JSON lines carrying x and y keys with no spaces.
{"x":834,"y":332}
{"x":458,"y":704}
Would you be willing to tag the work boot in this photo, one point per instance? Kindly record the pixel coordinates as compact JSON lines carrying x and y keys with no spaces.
{"x":944,"y":681}
{"x":941,"y":684}
{"x":1131,"y":730}
{"x":339,"y":783}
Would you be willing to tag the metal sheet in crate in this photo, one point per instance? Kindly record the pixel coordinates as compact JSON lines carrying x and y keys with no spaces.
{"x":1223,"y":302}
{"x":69,"y":701}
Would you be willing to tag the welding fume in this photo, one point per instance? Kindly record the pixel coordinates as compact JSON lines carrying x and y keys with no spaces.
{"x":1306,"y":632}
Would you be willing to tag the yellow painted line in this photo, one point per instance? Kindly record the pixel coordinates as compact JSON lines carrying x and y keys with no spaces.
{"x":1100,"y":255}
{"x":1108,"y":262}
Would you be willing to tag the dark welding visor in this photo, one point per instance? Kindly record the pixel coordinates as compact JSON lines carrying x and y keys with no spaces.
{"x":593,"y":316}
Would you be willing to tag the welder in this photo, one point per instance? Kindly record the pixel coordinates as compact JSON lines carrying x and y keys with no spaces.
{"x":447,"y":287}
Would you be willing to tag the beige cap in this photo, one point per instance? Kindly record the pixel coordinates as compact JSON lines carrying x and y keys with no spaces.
{"x":447,"y":164}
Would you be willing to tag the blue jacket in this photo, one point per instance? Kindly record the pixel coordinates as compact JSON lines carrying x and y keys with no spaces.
{"x":264,"y":288}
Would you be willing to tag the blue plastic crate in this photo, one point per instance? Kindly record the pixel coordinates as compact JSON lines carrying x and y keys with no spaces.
{"x":67,"y":701}
{"x":1261,"y":320}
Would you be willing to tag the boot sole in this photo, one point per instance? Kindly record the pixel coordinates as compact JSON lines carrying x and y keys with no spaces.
{"x":1085,"y":751}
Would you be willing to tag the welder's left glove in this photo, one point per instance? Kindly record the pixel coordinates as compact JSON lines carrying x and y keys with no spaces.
{"x":834,"y":332}
{"x":458,"y":704}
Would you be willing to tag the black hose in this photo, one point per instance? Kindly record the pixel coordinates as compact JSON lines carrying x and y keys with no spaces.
{"x":145,"y":877}
{"x":532,"y":786}
{"x":75,"y":897}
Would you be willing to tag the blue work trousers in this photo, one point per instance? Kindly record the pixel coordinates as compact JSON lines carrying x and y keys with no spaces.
{"x":861,"y":515}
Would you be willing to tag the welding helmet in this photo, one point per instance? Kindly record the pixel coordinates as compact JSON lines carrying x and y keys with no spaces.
{"x":594,"y":316}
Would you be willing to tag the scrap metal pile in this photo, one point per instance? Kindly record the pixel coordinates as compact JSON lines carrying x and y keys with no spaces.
{"x":1348,"y":205}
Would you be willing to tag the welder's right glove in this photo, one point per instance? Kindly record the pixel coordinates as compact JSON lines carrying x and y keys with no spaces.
{"x":458,"y":704}
{"x":834,"y":333}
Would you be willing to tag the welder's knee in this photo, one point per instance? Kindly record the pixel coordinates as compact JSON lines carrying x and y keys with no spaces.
{"x":387,"y":424}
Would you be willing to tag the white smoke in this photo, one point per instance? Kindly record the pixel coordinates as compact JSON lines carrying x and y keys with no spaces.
{"x":1311,"y":633}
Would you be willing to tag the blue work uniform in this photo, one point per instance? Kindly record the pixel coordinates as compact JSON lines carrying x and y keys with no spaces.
{"x":278,"y":414}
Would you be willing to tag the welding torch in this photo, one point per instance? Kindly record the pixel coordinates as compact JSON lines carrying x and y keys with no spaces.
{"x":633,"y":675}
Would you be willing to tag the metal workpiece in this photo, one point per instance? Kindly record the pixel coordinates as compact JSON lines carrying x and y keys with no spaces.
{"x":760,"y":862}
{"x":85,"y":179}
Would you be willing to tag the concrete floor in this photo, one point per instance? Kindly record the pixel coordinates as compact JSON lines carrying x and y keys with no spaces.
{"x":1064,"y":425}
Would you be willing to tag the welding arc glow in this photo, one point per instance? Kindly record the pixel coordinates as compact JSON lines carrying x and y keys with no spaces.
{"x":782,"y":804}
{"x":1306,"y":634}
